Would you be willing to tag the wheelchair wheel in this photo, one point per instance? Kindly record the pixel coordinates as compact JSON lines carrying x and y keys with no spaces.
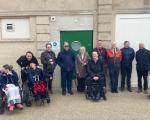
{"x":26,"y":95}
{"x":104,"y":94}
{"x":2,"y":106}
{"x":27,"y":100}
{"x":87,"y":95}
{"x":48,"y":98}
{"x":28,"y":104}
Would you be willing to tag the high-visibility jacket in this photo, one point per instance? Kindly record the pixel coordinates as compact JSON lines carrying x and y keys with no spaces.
{"x":114,"y":57}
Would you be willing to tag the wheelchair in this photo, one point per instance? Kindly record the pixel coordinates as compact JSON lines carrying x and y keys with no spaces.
{"x":95,"y":90}
{"x":35,"y":92}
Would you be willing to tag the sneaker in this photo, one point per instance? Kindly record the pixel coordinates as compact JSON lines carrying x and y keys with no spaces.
{"x":70,"y":92}
{"x":112,"y":91}
{"x":11,"y":108}
{"x":63,"y":92}
{"x":19,"y":106}
{"x":121,"y":89}
{"x":130,"y":90}
{"x":145,"y":91}
{"x":139,"y":91}
{"x":116,"y":91}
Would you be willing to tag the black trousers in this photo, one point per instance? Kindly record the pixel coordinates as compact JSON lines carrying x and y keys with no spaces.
{"x":126,"y":76}
{"x":23,"y":76}
{"x":66,"y":80}
{"x":105,"y":74}
{"x":143,"y":74}
{"x":81,"y":84}
{"x":49,"y":80}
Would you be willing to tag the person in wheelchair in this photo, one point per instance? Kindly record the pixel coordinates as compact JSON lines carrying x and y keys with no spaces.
{"x":36,"y":83}
{"x":9,"y":84}
{"x":95,"y":78}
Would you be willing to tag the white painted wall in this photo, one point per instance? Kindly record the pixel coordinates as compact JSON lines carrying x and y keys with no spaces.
{"x":134,"y":28}
{"x":21,"y":29}
{"x":67,"y":23}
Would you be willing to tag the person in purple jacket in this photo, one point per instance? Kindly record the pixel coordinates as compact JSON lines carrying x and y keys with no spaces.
{"x":102,"y":52}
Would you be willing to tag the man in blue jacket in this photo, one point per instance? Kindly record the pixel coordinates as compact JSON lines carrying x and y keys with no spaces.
{"x":66,"y":61}
{"x":126,"y":65}
{"x":142,"y":66}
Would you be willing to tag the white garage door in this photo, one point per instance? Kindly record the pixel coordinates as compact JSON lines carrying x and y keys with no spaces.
{"x":134,"y":28}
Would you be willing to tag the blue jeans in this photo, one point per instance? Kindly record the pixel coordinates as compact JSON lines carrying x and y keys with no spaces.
{"x":114,"y":74}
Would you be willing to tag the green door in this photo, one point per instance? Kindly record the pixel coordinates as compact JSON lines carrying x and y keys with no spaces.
{"x":77,"y":39}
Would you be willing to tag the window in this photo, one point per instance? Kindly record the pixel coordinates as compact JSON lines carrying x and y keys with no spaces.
{"x":15,"y":28}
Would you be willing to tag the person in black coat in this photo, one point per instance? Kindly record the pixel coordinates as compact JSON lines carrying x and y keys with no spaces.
{"x":142,"y":67}
{"x":66,"y":61}
{"x":126,"y":65}
{"x":48,"y":59}
{"x":95,"y":72}
{"x":24,"y":62}
{"x":102,"y":53}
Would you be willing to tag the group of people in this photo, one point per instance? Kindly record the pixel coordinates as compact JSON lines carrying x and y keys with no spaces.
{"x":121,"y":59}
{"x":114,"y":59}
{"x":84,"y":66}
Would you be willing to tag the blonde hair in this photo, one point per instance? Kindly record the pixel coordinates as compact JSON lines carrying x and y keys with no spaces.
{"x":82,"y":48}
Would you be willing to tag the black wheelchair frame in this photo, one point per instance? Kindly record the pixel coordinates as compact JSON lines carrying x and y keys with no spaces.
{"x":92,"y":89}
{"x":3,"y":102}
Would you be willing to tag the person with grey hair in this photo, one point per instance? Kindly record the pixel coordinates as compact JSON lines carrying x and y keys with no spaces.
{"x":142,"y":67}
{"x":81,"y":62}
{"x":114,"y":56}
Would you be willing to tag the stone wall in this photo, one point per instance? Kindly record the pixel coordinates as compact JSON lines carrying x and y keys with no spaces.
{"x":39,"y":12}
{"x":105,"y":21}
{"x":47,"y":5}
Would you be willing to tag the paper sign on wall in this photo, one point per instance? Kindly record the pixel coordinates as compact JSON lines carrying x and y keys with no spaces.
{"x":55,"y":45}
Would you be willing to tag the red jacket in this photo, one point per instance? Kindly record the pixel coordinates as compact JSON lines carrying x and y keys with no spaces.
{"x":114,"y":56}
